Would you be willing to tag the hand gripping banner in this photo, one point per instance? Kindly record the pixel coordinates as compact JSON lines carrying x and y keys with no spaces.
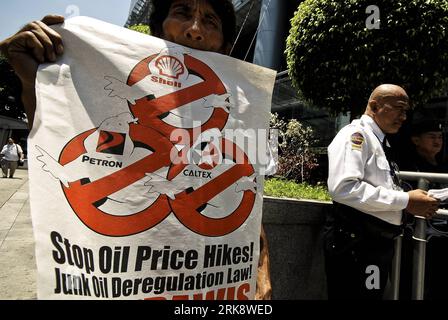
{"x":146,"y":175}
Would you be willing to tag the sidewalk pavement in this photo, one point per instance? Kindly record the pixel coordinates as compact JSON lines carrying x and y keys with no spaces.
{"x":17,"y":256}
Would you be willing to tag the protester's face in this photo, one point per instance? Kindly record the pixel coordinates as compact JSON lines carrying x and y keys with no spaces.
{"x":10,"y":141}
{"x":194,"y":23}
{"x":392,"y":112}
{"x":429,"y":143}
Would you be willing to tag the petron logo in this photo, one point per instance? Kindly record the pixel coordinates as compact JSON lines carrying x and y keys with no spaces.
{"x":144,"y":128}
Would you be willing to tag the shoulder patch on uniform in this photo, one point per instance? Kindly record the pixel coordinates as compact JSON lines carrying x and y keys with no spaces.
{"x":357,"y":140}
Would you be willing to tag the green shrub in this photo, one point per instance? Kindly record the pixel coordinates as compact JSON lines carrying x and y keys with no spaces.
{"x":289,"y":189}
{"x":142,"y":28}
{"x":336,"y":61}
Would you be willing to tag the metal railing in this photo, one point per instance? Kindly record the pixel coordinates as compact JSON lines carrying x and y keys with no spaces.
{"x":420,"y":236}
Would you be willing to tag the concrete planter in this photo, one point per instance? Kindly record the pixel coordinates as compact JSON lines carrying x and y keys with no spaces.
{"x":294,"y":230}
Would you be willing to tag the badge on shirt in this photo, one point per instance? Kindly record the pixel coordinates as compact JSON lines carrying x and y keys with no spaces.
{"x":357,"y":140}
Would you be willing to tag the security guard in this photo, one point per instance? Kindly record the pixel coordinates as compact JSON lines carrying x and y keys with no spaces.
{"x":368,"y":201}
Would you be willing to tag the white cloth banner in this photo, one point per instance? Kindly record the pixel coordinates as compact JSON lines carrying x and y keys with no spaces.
{"x":146,"y":163}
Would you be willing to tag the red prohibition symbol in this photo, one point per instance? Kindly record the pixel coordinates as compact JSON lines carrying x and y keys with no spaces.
{"x":83,"y":195}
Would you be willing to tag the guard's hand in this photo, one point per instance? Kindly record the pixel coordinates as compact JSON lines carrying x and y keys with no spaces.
{"x":35,"y":43}
{"x":420,"y":204}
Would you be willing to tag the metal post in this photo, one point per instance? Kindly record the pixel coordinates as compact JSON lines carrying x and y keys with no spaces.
{"x":419,"y":254}
{"x":419,"y":258}
{"x":396,"y":265}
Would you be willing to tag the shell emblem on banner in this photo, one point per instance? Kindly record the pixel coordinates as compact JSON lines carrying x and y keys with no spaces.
{"x":170,"y":67}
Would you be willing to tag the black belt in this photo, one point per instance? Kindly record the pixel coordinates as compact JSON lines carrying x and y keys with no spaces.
{"x":363,"y":224}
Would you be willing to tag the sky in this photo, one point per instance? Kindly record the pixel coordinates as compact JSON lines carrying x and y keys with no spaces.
{"x":14,"y":14}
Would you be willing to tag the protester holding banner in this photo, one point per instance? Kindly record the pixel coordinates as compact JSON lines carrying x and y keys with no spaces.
{"x":368,"y":200}
{"x":204,"y":25}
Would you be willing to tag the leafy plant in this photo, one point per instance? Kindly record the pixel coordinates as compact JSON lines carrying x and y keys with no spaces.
{"x":142,"y":28}
{"x":335,"y":60}
{"x":296,"y":158}
{"x":290,"y":189}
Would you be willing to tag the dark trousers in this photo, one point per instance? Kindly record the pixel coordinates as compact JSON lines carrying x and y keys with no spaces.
{"x":11,"y":165}
{"x":436,"y":267}
{"x":436,"y":275}
{"x":353,"y":243}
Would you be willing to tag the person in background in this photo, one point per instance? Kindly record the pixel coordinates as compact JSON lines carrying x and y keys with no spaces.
{"x":368,"y":201}
{"x":208,"y":25}
{"x":427,"y":138}
{"x":11,"y":154}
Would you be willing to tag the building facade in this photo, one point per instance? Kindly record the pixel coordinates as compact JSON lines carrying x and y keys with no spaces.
{"x":138,"y":12}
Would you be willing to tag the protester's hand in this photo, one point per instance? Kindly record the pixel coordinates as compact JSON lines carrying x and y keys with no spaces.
{"x":420,"y":204}
{"x":264,"y":285}
{"x":35,"y":43}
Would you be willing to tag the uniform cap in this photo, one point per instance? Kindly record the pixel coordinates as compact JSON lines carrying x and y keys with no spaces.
{"x":421,"y":127}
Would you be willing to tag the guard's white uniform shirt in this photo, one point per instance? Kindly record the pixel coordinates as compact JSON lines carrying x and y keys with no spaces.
{"x":359,"y":173}
{"x":10,"y":152}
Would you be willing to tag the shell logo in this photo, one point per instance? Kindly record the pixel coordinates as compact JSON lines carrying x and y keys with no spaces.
{"x":170,"y":67}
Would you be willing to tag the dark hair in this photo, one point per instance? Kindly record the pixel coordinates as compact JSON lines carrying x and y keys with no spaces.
{"x":223,"y":8}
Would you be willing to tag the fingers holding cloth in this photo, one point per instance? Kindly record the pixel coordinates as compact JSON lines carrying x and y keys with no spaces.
{"x":34,"y":44}
{"x":423,"y":204}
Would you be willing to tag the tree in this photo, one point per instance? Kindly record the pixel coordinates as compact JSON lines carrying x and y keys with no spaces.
{"x":337,"y":52}
{"x":10,"y":91}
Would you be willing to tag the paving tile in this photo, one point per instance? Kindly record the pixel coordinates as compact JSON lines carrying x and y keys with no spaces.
{"x":20,"y":233}
{"x":17,"y":270}
{"x":17,"y":255}
{"x":3,"y":234}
